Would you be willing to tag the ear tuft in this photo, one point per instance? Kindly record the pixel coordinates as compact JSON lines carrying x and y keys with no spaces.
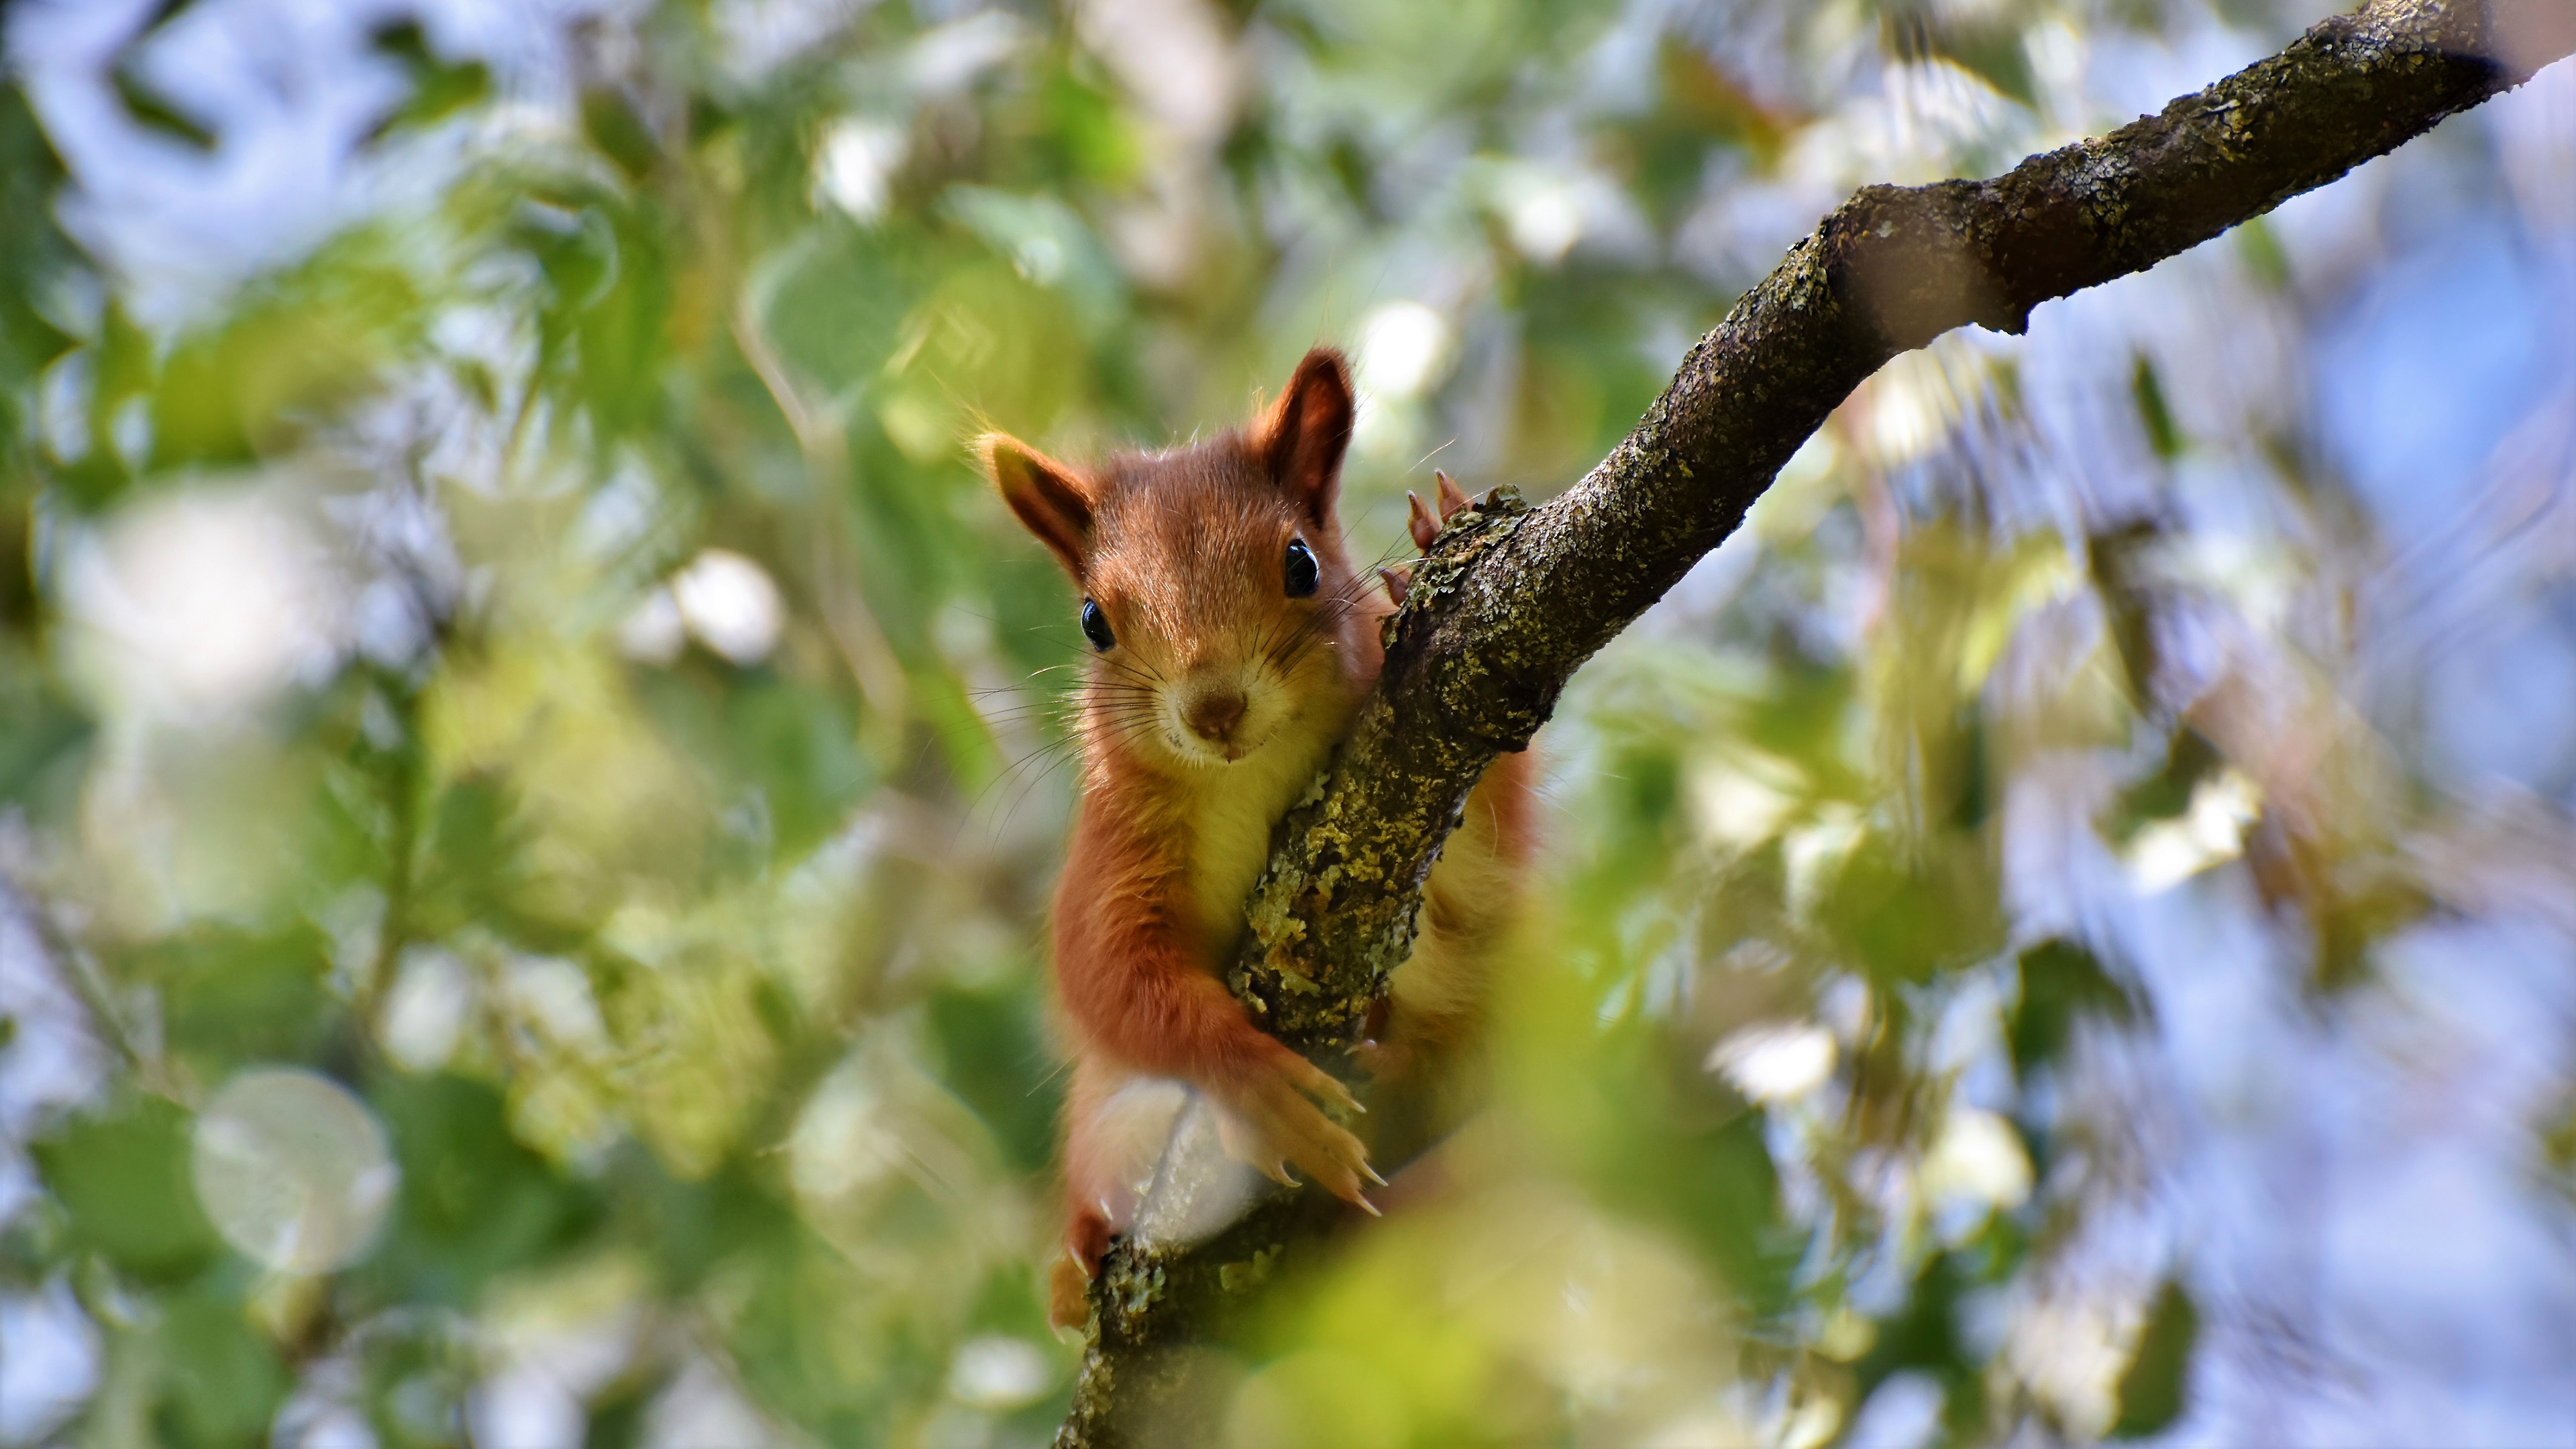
{"x":1051,"y":500}
{"x":1303,"y":436}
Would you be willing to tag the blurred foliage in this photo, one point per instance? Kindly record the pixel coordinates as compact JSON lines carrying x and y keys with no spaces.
{"x":538,"y":655}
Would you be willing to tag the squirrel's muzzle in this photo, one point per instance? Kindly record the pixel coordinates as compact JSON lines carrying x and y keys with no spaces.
{"x":1213,"y":713}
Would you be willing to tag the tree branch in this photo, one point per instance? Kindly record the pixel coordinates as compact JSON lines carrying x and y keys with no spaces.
{"x":1512,"y":599}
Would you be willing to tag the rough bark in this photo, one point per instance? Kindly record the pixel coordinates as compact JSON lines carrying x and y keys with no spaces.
{"x":1513,"y":599}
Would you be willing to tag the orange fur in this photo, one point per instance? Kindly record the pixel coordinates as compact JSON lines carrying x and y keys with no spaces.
{"x":1219,"y":700}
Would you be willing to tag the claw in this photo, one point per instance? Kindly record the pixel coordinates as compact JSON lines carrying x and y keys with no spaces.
{"x":1374,"y":1059}
{"x":1364,"y":1205}
{"x":1330,"y":1090}
{"x":1371,"y":1174}
{"x":1419,"y":522}
{"x":1452,"y":497}
{"x":1398,"y":580}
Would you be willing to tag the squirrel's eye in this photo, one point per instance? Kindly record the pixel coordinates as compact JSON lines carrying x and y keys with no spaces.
{"x":1095,"y":627}
{"x":1302,"y":573}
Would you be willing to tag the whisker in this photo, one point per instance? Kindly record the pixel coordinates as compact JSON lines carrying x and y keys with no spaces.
{"x":1337,"y":606}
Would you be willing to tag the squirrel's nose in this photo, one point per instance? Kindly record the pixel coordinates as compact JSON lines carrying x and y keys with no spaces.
{"x":1214,"y":713}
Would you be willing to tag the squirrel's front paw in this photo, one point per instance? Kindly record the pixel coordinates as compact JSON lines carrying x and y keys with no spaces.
{"x":1422,"y":523}
{"x":1270,"y":1124}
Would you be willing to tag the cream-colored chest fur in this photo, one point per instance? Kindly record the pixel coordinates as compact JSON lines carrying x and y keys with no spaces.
{"x":1231,"y":816}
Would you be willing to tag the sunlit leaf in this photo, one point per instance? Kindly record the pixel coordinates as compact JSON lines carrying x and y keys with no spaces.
{"x":1903,"y":920}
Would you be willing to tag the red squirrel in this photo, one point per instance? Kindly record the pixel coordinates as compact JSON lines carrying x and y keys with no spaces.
{"x":1230,"y":641}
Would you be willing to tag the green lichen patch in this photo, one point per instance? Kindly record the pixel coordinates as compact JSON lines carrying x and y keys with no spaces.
{"x":1251,"y":1273}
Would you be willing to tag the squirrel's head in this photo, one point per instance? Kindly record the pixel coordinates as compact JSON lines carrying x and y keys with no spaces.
{"x":1220,"y":611}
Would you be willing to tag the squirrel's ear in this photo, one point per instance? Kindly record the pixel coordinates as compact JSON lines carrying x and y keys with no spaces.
{"x":1052,"y":500}
{"x":1304,"y":435}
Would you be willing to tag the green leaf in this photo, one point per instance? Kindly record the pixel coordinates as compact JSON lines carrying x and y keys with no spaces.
{"x":840,"y":294}
{"x":223,"y":1378}
{"x":1990,"y":48}
{"x":1683,"y":1152}
{"x":997,"y":1063}
{"x":439,"y":88}
{"x":687,"y":1229}
{"x":2166,"y":794}
{"x":149,"y":110}
{"x":1048,"y":243}
{"x":2155,"y":1388}
{"x":1926,"y":1336}
{"x":475,"y":870}
{"x":475,"y":1201}
{"x":602,"y":330}
{"x":1098,"y":140}
{"x":608,"y":119}
{"x":44,"y":734}
{"x":1801,"y":716}
{"x":308,"y":342}
{"x":2259,"y":246}
{"x":231,"y":996}
{"x":2060,"y":982}
{"x":1905,"y":920}
{"x":2163,"y":434}
{"x":619,"y":1419}
{"x":418,"y":1373}
{"x":33,"y":250}
{"x":123,"y":1180}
